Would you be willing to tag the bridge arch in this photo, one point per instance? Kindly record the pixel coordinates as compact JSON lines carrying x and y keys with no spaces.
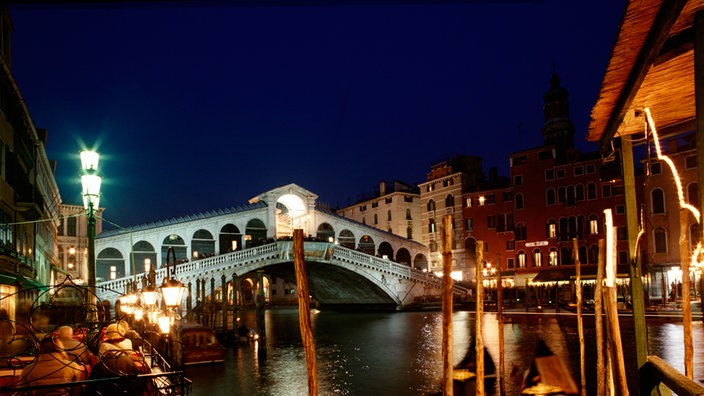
{"x":255,"y":233}
{"x":403,"y":256}
{"x":109,"y":264}
{"x":347,"y":239}
{"x":421,"y":262}
{"x":325,"y":232}
{"x":366,"y":245}
{"x":179,"y":246}
{"x":385,"y":249}
{"x":202,"y":244}
{"x":144,"y":256}
{"x":230,"y":238}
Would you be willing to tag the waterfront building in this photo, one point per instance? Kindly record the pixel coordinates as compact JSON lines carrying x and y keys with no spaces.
{"x":72,"y":243}
{"x":556,"y":194}
{"x":395,"y":208}
{"x":29,"y":195}
{"x":663,"y":221}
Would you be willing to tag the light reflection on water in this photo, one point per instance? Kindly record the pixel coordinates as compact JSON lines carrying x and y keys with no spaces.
{"x":400,"y":353}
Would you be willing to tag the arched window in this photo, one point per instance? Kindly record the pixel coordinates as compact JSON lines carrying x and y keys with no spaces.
{"x":580,"y":192}
{"x":520,"y":232}
{"x":658,"y":201}
{"x":551,"y":231}
{"x":593,"y":254}
{"x":518,"y":199}
{"x":553,"y":257}
{"x":566,"y":256}
{"x":591,"y":191}
{"x":521,"y":258}
{"x":537,"y":258}
{"x":660,"y":239}
{"x":449,"y":201}
{"x":431,"y":205}
{"x":550,"y":196}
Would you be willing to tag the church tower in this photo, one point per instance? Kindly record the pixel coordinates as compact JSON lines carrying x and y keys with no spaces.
{"x":558,"y":129}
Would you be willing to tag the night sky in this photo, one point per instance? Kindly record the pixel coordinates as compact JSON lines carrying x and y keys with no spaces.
{"x":200,"y":107}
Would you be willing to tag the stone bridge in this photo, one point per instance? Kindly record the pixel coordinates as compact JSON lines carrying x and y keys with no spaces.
{"x":337,"y":276}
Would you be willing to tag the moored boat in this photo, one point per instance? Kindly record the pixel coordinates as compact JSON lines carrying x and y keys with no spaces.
{"x":201,"y":345}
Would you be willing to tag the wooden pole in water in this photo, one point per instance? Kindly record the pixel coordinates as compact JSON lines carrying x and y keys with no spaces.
{"x":500,"y":317}
{"x":580,"y":325}
{"x":304,"y":311}
{"x":447,"y":307}
{"x":598,"y":322}
{"x":478,"y":332}
{"x":686,"y":304}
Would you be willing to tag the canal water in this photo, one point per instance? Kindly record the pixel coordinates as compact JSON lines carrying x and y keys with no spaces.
{"x":400,"y":353}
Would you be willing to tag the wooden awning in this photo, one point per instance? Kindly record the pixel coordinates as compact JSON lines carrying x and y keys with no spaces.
{"x":651,"y":65}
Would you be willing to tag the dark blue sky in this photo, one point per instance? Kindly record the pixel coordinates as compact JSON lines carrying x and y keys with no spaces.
{"x":196,"y":108}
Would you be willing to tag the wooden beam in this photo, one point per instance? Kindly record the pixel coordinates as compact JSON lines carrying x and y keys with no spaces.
{"x":665,"y":18}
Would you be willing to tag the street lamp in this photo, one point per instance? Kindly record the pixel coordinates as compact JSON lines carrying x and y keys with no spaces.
{"x":91,"y":201}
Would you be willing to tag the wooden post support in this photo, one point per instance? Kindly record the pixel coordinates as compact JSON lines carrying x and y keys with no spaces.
{"x":261,"y":321}
{"x":599,"y":323}
{"x":304,"y":311}
{"x":686,"y":303}
{"x":235,"y":310}
{"x":479,"y":332}
{"x":447,"y":367}
{"x":223,"y":280}
{"x":580,"y":325}
{"x":500,"y":319}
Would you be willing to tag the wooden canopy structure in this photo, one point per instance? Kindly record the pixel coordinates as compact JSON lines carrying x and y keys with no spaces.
{"x":657,"y":63}
{"x":652,"y":65}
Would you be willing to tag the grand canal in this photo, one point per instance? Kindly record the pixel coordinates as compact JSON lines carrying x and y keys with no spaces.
{"x":400,"y":353}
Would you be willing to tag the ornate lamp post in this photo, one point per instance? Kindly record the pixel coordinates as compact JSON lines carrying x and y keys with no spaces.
{"x":172,"y":291}
{"x":91,"y":201}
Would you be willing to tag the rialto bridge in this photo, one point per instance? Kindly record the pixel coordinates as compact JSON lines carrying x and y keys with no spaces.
{"x":348,"y":263}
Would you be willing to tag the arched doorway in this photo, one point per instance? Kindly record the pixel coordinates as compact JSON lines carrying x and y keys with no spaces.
{"x":325,"y":233}
{"x":403,"y":257}
{"x":255,"y":233}
{"x":346,"y":239}
{"x":109,"y":264}
{"x":178,"y":244}
{"x":230,"y":238}
{"x":366,"y":245}
{"x":385,"y":250}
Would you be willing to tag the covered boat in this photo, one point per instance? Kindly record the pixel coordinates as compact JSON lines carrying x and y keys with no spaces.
{"x":201,"y":345}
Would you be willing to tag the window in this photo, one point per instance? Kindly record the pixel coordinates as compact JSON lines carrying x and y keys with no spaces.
{"x":431,"y":226}
{"x":621,"y":233}
{"x":470,"y":226}
{"x":408,"y":214}
{"x":521,"y":259}
{"x":468,"y":202}
{"x":407,"y":198}
{"x":375,"y":204}
{"x":655,"y":168}
{"x":510,"y":263}
{"x":606,"y":190}
{"x":552,"y":229}
{"x":490,"y":199}
{"x":578,"y":171}
{"x":623,"y":257}
{"x":449,"y":201}
{"x":491,"y":221}
{"x":591,"y":169}
{"x":620,"y":209}
{"x":388,"y":200}
{"x":593,"y":225}
{"x":549,"y":174}
{"x":591,"y":191}
{"x":520,"y":232}
{"x":71,"y":226}
{"x":431,"y":205}
{"x":550,"y":196}
{"x":519,"y":201}
{"x":364,"y":220}
{"x":571,"y":196}
{"x":447,"y":182}
{"x":510,"y":245}
{"x":409,"y":232}
{"x":552,"y":257}
{"x":580,"y":192}
{"x":508,"y":196}
{"x":560,"y":173}
{"x":388,"y":215}
{"x":617,"y":190}
{"x":518,"y":180}
{"x":376,"y":219}
{"x":363,"y":208}
{"x":690,"y":162}
{"x":593,"y":254}
{"x":660,"y":239}
{"x":537,"y":258}
{"x":561,"y":195}
{"x":658,"y":201}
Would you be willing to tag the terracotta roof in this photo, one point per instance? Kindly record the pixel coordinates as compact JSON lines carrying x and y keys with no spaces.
{"x":651,"y":65}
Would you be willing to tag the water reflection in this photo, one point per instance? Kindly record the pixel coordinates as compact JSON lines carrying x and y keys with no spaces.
{"x":400,"y":353}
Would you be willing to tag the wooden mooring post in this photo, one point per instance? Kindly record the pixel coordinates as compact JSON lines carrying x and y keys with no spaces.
{"x":580,"y":325}
{"x":447,"y":367}
{"x":304,"y":311}
{"x":479,"y":324}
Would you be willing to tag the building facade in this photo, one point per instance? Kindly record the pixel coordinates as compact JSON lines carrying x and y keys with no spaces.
{"x":72,"y":243}
{"x":29,"y":196}
{"x":395,"y":208}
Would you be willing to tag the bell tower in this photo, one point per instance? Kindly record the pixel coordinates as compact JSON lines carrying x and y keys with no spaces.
{"x":558,"y":129}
